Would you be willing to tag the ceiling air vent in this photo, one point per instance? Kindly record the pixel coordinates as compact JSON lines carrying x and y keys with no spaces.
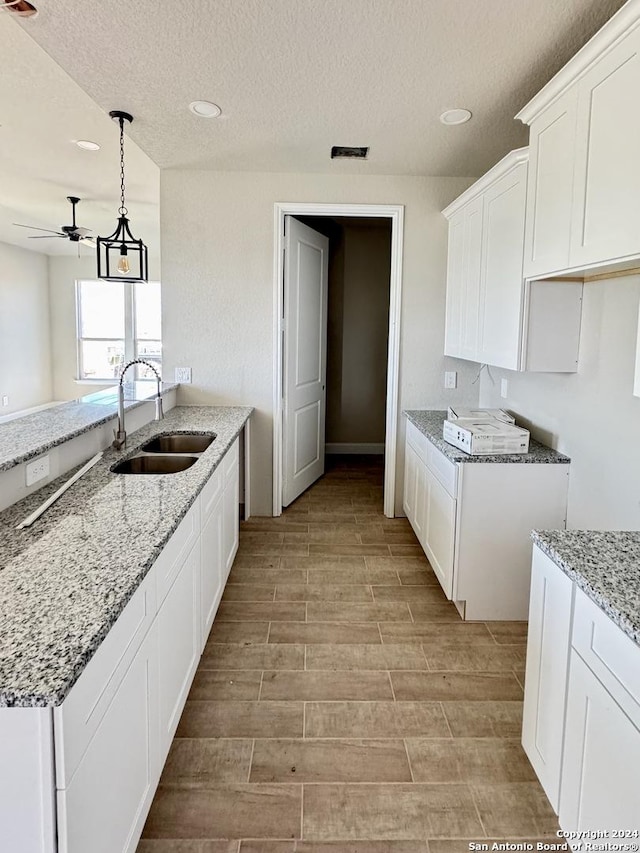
{"x":19,"y":7}
{"x":349,"y":152}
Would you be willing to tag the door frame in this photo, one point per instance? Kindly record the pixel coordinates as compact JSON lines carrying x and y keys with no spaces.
{"x":395,"y":213}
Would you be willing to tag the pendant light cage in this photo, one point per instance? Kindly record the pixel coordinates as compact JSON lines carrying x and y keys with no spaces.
{"x":121,"y":257}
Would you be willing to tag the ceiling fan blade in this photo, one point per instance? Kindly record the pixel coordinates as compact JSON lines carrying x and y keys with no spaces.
{"x":46,"y":236}
{"x":88,"y":241}
{"x":81,"y":232}
{"x":36,"y":228}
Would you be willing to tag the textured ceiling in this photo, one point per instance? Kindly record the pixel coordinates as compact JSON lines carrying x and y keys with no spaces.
{"x":294,"y":77}
{"x":42,"y":111}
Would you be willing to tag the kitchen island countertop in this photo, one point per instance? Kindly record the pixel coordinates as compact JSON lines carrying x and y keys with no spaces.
{"x":65,"y":580}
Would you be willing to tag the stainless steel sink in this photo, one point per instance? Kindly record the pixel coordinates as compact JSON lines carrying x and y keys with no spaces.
{"x":154,"y":464}
{"x":179,"y":442}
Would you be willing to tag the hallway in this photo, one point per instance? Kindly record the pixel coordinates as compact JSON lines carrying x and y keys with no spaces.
{"x":341,"y":700}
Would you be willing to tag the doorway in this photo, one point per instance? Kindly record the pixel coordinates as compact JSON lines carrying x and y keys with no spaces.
{"x":341,"y":426}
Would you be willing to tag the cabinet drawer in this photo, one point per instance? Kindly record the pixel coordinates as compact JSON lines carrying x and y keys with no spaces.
{"x":78,"y":718}
{"x":418,"y":441}
{"x":612,"y":656}
{"x":443,"y":469}
{"x":210,"y":493}
{"x":168,"y":565}
{"x":230,"y":461}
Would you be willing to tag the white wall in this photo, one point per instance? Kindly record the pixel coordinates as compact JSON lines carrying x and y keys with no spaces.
{"x":217,"y":295}
{"x":592,"y":415}
{"x":25,"y":362}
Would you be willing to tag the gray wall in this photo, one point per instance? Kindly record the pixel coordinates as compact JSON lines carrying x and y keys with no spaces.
{"x":25,"y":359}
{"x":218,"y":289}
{"x":591,"y":415}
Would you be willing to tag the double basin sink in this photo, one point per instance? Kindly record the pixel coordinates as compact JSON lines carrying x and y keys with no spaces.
{"x":166,"y":454}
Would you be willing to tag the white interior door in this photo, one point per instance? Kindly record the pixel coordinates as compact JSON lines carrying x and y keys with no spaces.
{"x":305,"y":357}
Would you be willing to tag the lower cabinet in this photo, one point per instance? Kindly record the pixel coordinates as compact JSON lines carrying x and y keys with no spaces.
{"x":105,"y":805}
{"x":581,"y":723}
{"x":179,"y":646}
{"x":473,"y":521}
{"x":548,"y":647}
{"x":114,"y":730}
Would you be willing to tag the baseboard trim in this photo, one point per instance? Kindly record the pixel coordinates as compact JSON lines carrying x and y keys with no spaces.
{"x":368,"y":448}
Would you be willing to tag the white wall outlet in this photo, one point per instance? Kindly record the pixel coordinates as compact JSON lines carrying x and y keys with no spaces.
{"x":504,"y":388}
{"x":5,"y":400}
{"x":183,"y":374}
{"x":450,"y":379}
{"x":37,"y":470}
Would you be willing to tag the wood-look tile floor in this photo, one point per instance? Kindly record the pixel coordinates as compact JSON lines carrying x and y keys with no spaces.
{"x":341,"y":705}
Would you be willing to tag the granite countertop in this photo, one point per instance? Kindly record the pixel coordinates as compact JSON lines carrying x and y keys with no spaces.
{"x":27,"y":437}
{"x":430,"y":423}
{"x":65,"y":580}
{"x":605,"y":564}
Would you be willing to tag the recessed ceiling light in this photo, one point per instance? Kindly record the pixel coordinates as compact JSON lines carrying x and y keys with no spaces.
{"x":20,"y":7}
{"x":205,"y":109}
{"x":457,"y":116}
{"x":87,"y":145}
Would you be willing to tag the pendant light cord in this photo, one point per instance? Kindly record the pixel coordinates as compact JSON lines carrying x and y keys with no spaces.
{"x":123,"y":210}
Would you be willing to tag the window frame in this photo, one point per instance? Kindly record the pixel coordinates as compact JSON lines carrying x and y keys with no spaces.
{"x":130,"y":339}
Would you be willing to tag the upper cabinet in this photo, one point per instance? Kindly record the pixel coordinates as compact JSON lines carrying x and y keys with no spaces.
{"x":583,"y":193}
{"x":493,"y":316}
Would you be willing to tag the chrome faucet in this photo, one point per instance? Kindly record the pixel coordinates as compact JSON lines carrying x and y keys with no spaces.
{"x":120,"y":436}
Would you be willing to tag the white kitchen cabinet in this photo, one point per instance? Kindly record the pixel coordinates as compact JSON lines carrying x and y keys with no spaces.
{"x":584,"y":183}
{"x":493,"y":316}
{"x":548,"y":647}
{"x":179,"y":646}
{"x":581,"y":721}
{"x":104,"y":807}
{"x":211,"y":568}
{"x":230,"y":508}
{"x":550,"y":186}
{"x":473,"y":521}
{"x":601,"y":762}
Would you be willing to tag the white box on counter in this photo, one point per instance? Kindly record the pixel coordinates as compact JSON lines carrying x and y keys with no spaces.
{"x":486,"y":437}
{"x":475,"y":414}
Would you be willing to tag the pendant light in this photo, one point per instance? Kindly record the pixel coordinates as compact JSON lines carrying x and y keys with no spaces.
{"x":120,"y":256}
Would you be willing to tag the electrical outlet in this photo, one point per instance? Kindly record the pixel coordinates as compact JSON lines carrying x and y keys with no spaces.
{"x":5,"y":400}
{"x":504,"y":388}
{"x":183,"y":374}
{"x":37,"y":470}
{"x":450,"y":378}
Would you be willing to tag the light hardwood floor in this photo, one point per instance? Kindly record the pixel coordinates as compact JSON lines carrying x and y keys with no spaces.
{"x":341,"y":705}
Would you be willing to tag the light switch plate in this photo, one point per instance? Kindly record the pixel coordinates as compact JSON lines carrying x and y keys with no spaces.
{"x":5,"y":400}
{"x":183,"y":374}
{"x":37,"y":470}
{"x":450,"y":378}
{"x":504,"y":388}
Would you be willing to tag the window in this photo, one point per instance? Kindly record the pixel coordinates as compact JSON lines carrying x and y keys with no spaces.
{"x":117,"y":322}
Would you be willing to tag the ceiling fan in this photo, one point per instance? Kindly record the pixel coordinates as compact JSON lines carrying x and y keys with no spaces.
{"x":71,"y":232}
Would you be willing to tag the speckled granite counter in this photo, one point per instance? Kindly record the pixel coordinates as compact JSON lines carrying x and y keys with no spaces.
{"x":65,"y":580}
{"x":29,"y":436}
{"x":603,"y":563}
{"x":430,"y":423}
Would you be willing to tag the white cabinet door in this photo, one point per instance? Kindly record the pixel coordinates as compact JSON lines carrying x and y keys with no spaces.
{"x":548,"y":647}
{"x":178,"y":646}
{"x":411,"y":462}
{"x":550,"y":187}
{"x":439,"y":530}
{"x":501,"y":284}
{"x":230,"y":520}
{"x":601,"y":762}
{"x":211,"y":543}
{"x":472,"y":253}
{"x":104,"y":807}
{"x":455,"y":286}
{"x":606,"y":207}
